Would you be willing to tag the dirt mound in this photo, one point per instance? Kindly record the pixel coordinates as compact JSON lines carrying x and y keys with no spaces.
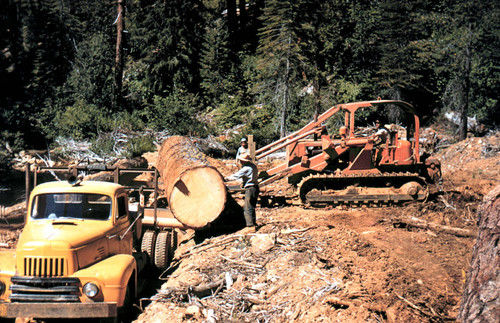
{"x":474,"y":163}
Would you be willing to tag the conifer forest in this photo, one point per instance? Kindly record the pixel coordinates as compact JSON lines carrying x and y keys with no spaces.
{"x":81,"y":69}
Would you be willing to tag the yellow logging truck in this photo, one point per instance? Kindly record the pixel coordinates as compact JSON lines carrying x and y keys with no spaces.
{"x":80,"y":253}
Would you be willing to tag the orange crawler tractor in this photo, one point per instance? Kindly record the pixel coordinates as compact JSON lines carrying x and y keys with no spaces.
{"x":346,"y":167}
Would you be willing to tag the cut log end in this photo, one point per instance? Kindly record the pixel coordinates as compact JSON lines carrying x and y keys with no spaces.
{"x":198,"y":197}
{"x":195,"y":190}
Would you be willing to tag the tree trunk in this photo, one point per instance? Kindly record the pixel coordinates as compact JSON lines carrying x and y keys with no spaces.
{"x":481,"y":297}
{"x":243,"y":15}
{"x":464,"y":108}
{"x":119,"y":56}
{"x":195,"y":190}
{"x":232,"y":22}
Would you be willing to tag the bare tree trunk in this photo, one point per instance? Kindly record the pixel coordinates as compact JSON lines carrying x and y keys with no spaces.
{"x":243,"y":15}
{"x":286,"y":91}
{"x":317,"y":105}
{"x":464,"y":108}
{"x":481,"y":297}
{"x":232,"y":22}
{"x":119,"y":56}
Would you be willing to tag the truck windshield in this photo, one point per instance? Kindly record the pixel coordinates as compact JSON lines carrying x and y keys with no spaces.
{"x":71,"y":205}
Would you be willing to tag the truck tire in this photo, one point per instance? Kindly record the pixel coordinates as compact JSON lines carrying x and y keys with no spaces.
{"x":125,"y":310}
{"x":163,"y":249}
{"x":125,"y":313}
{"x":148,"y":245}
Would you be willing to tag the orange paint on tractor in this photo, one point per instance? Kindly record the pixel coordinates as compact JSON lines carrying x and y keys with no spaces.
{"x":329,"y":163}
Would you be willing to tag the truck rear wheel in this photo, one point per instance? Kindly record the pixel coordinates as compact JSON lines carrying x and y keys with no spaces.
{"x":148,"y":245}
{"x":163,"y":249}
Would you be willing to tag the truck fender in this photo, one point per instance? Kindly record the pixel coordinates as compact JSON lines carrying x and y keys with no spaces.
{"x":7,"y":270}
{"x":113,"y":274}
{"x":8,"y":262}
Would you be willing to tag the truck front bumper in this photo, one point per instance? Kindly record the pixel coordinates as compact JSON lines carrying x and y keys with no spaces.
{"x":57,"y":310}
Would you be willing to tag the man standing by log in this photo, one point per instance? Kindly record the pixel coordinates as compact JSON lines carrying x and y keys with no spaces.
{"x":248,"y":175}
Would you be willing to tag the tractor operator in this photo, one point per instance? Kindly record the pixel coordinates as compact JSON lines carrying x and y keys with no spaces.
{"x":248,"y":175}
{"x":380,"y":137}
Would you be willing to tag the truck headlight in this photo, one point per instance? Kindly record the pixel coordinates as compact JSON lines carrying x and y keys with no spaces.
{"x":90,"y":290}
{"x":2,"y":287}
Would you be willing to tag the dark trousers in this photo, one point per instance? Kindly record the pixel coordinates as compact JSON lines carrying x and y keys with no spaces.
{"x":251,"y":196}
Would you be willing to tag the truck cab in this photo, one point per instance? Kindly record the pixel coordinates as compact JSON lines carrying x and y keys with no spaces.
{"x":75,"y":257}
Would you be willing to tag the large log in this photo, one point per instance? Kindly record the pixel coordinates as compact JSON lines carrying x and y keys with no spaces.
{"x":195,"y":190}
{"x":481,"y":297}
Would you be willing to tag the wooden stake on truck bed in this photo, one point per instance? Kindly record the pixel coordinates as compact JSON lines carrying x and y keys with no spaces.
{"x":195,"y":190}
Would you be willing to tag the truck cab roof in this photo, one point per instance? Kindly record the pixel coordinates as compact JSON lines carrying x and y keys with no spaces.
{"x":96,"y":187}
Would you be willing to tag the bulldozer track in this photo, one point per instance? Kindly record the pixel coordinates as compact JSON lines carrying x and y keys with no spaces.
{"x":361,"y":188}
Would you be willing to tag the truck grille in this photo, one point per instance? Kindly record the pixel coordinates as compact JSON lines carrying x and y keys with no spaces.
{"x":41,"y":289}
{"x":44,"y":266}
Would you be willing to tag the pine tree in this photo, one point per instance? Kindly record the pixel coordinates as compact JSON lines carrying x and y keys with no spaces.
{"x":470,"y":49}
{"x":168,"y":35}
{"x":214,"y":62}
{"x":279,"y":59}
{"x":406,"y":68}
{"x":38,"y":59}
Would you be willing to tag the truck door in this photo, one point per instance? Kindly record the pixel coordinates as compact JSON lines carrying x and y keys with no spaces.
{"x":122,"y":224}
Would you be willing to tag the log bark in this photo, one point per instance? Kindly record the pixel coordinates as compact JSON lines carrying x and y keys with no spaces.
{"x":481,"y":297}
{"x":195,"y":190}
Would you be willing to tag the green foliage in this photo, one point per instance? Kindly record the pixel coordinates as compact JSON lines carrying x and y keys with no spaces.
{"x":104,"y":145}
{"x":13,"y":140}
{"x":135,"y":85}
{"x":91,"y":79}
{"x":469,"y":50}
{"x":280,"y":60}
{"x":261,"y":125}
{"x":10,"y":143}
{"x":215,"y":64}
{"x":168,"y":36}
{"x":175,"y":113}
{"x":139,"y":145}
{"x":348,"y":91}
{"x":125,"y":120}
{"x":80,"y":121}
{"x":231,"y":112}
